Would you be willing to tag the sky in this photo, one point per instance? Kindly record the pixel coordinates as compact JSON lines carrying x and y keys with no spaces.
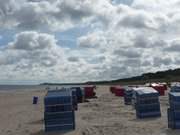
{"x":66,"y":41}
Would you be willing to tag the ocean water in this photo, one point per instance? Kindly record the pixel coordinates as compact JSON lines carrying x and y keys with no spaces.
{"x":22,"y":87}
{"x":33,"y":87}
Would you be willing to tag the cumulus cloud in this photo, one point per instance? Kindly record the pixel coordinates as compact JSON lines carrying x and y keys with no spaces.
{"x":142,"y":41}
{"x":123,"y":39}
{"x":174,"y":46}
{"x":93,"y":40}
{"x":127,"y":53}
{"x":33,"y":49}
{"x":33,"y":41}
{"x":37,"y":56}
{"x":53,"y":15}
{"x":162,"y":61}
{"x":138,"y":20}
{"x":135,"y":40}
{"x":73,"y":59}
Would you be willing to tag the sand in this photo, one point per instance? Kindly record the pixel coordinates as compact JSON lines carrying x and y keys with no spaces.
{"x":105,"y":115}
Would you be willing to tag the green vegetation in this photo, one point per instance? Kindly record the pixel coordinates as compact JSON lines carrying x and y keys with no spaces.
{"x":160,"y":76}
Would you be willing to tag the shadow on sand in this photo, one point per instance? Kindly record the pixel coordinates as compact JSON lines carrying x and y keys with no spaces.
{"x":42,"y":132}
{"x":36,"y":122}
{"x":172,"y":132}
{"x":145,"y":119}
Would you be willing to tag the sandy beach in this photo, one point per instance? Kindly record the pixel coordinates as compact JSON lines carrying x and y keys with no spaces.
{"x":105,"y":115}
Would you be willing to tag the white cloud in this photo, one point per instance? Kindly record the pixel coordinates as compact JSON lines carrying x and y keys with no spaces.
{"x":123,"y":39}
{"x":31,"y":52}
{"x":174,"y":46}
{"x":52,"y":15}
{"x":136,"y":39}
{"x":36,"y":56}
{"x":93,"y":40}
{"x":30,"y":41}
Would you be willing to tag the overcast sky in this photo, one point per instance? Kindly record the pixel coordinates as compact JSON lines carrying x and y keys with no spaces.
{"x":86,"y":40}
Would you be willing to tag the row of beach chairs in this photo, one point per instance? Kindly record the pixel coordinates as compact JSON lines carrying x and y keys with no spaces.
{"x":60,"y":106}
{"x":146,"y":102}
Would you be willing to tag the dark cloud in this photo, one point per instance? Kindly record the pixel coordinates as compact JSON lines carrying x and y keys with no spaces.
{"x":132,"y":63}
{"x":157,"y":62}
{"x":7,"y":7}
{"x":129,"y":53}
{"x":146,"y":63}
{"x":70,"y":10}
{"x":141,"y":41}
{"x":174,"y":46}
{"x":73,"y":59}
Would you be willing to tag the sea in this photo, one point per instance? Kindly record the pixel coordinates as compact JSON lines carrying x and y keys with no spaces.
{"x":33,"y":87}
